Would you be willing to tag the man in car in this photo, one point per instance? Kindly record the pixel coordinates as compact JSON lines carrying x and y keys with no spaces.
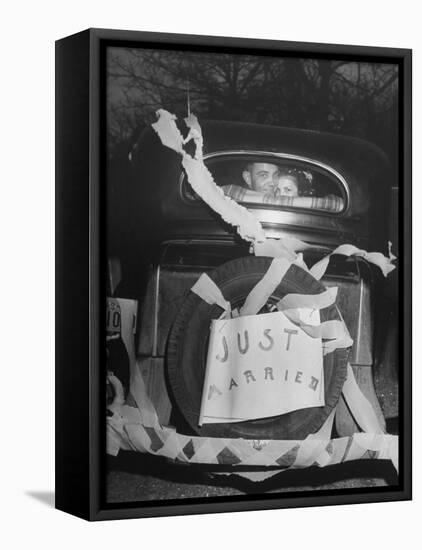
{"x":270,"y":184}
{"x":265,"y":182}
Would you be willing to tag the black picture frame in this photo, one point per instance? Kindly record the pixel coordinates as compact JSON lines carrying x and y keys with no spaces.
{"x":80,"y":284}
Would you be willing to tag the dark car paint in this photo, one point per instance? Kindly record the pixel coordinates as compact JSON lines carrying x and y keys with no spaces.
{"x":179,"y":239}
{"x":156,"y":174}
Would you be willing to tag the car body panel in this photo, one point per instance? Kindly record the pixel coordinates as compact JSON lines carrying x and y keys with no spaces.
{"x":178,"y":239}
{"x":362,"y":166}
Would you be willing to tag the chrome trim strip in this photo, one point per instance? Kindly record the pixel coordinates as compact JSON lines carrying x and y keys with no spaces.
{"x":359,"y":330}
{"x":156,"y":308}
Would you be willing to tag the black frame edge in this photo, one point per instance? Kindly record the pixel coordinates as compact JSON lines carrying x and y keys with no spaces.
{"x":308,"y":48}
{"x":72,"y":418}
{"x":96,"y":280}
{"x":84,"y":499}
{"x":253,"y":505}
{"x":405,"y":457}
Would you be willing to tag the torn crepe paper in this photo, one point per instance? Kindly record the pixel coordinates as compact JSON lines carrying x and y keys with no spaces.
{"x":262,"y":291}
{"x":274,"y":249}
{"x":195,"y":133}
{"x":191,"y":122}
{"x":138,"y":429}
{"x":260,"y":294}
{"x":281,"y":454}
{"x":377,"y":443}
{"x":328,"y":330}
{"x":144,"y":433}
{"x":300,"y":263}
{"x":334,"y":334}
{"x":119,"y":395}
{"x":247,"y":225}
{"x":322,"y":457}
{"x":376,"y":258}
{"x":313,"y":301}
{"x":295,"y":307}
{"x":167,"y":129}
{"x":343,"y":342}
{"x":361,"y":408}
{"x":286,"y":247}
{"x":199,"y":177}
{"x":206,"y":289}
{"x":238,"y":452}
{"x":201,"y":181}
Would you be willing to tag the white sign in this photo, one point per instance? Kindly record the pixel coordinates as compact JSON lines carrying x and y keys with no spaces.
{"x":121,"y":319}
{"x":260,"y":366}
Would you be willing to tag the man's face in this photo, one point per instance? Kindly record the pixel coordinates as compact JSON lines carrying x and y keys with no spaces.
{"x":262,"y":177}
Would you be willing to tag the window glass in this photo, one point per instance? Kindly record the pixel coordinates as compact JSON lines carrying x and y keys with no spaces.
{"x":275,"y":182}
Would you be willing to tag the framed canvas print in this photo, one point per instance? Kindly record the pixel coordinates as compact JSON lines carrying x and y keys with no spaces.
{"x":233,"y":274}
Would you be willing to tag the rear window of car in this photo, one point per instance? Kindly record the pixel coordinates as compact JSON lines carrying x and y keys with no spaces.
{"x":276,"y":182}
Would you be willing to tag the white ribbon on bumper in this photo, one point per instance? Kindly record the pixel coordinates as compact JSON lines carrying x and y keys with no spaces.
{"x":136,"y":427}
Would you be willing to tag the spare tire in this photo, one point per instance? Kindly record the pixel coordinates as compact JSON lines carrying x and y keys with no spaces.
{"x":188,"y":344}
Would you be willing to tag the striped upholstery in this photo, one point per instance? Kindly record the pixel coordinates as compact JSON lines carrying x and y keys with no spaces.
{"x":332,"y":203}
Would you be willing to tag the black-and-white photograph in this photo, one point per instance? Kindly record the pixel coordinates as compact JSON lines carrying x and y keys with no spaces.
{"x":253,"y":264}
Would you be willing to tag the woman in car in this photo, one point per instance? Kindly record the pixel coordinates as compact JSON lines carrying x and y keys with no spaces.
{"x":267,"y":183}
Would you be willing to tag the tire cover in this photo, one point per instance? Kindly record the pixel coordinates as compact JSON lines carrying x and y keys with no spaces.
{"x":188,"y":343}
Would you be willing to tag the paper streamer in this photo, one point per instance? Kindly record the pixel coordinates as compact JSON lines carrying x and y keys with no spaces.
{"x":195,"y":133}
{"x":300,"y":263}
{"x":329,"y":330}
{"x":310,"y":301}
{"x":281,"y":248}
{"x":344,"y":341}
{"x":360,"y":407}
{"x":201,"y":181}
{"x":167,"y":129}
{"x":200,"y":178}
{"x":247,"y":225}
{"x":138,"y":428}
{"x":334,"y":333}
{"x":260,"y":294}
{"x":274,"y":249}
{"x":313,"y":449}
{"x":119,"y":393}
{"x":127,"y":429}
{"x":206,"y":289}
{"x":376,"y":258}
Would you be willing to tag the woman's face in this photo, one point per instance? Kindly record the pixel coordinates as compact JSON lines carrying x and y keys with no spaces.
{"x":288,"y":186}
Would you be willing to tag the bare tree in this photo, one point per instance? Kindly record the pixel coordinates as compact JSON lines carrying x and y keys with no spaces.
{"x":333,"y":95}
